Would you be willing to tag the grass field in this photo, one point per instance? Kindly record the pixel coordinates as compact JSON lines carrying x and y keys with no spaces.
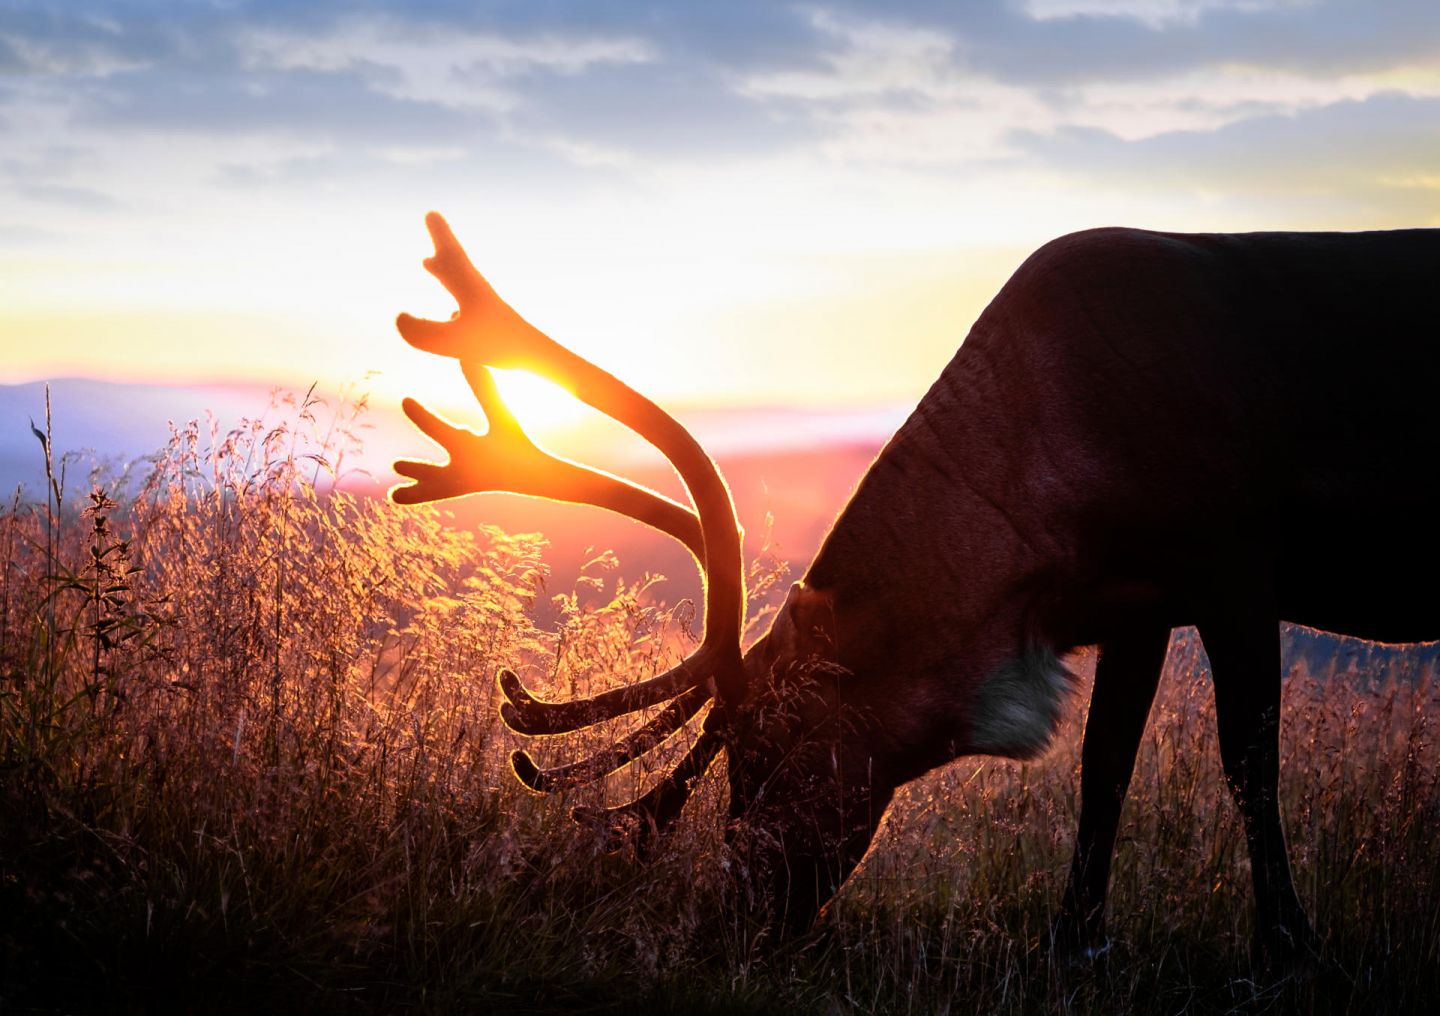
{"x":250,"y":759}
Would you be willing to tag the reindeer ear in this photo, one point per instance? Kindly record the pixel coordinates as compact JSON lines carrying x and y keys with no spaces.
{"x":811,"y":613}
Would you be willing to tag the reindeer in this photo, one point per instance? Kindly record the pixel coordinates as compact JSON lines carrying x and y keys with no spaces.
{"x":1142,"y":430}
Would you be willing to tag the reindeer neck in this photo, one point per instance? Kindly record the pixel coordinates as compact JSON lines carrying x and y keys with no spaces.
{"x":942,"y":528}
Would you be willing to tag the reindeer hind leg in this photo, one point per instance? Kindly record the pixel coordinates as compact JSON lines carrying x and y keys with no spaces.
{"x":1244,"y":655}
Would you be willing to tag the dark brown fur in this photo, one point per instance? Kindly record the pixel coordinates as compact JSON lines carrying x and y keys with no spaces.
{"x":1142,"y":430}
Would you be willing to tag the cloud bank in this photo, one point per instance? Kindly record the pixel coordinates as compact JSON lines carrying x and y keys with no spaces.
{"x":728,"y":156}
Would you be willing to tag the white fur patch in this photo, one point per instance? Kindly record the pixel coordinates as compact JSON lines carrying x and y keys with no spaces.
{"x":1017,"y":709}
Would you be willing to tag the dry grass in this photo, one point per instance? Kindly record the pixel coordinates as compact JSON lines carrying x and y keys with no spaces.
{"x":249,"y":756}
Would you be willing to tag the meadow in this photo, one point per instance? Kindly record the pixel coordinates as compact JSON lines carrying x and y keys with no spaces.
{"x":250,"y":759}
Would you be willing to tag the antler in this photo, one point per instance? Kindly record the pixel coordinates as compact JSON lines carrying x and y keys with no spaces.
{"x":622,"y":752}
{"x":486,"y":331}
{"x":505,"y":459}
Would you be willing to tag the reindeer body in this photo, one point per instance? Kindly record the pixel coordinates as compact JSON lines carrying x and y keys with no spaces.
{"x":1146,"y":430}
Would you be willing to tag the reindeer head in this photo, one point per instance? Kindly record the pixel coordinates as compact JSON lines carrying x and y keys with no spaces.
{"x":806,"y":789}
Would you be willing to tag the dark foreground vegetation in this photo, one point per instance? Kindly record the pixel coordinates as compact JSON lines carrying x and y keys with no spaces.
{"x":250,"y":760}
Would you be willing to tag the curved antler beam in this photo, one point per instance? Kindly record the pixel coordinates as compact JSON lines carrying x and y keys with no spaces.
{"x":621,"y":753}
{"x":526,"y":714}
{"x":505,"y":459}
{"x":487,"y":330}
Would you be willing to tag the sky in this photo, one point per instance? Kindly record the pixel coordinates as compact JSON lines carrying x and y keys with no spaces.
{"x":744,"y":202}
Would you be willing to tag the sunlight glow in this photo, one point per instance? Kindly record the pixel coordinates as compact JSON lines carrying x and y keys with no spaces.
{"x":829,"y":246}
{"x":538,"y":404}
{"x":544,"y":409}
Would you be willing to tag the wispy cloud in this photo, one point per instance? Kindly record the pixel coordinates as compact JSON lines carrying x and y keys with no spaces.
{"x":894,"y":91}
{"x":437,"y":64}
{"x":1363,"y":158}
{"x":85,"y":198}
{"x":284,"y":93}
{"x":729,"y":156}
{"x":61,"y":46}
{"x":1156,"y":14}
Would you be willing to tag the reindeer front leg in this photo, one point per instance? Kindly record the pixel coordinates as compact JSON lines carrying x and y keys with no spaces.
{"x":1126,"y":677}
{"x":1244,"y":653}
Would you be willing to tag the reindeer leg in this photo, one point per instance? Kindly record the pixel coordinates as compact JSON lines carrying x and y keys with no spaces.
{"x":1245,"y":658}
{"x":1125,"y":680}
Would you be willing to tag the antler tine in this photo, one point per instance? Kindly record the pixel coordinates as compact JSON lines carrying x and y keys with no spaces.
{"x":659,"y":807}
{"x":497,"y":412}
{"x":505,"y":459}
{"x":621,"y":753}
{"x":487,"y":330}
{"x":526,"y":714}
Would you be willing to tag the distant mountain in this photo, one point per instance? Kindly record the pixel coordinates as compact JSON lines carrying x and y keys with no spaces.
{"x":123,"y":422}
{"x":115,"y":422}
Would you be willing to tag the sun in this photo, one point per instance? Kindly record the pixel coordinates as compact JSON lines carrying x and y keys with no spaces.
{"x":538,"y":404}
{"x":543,"y":408}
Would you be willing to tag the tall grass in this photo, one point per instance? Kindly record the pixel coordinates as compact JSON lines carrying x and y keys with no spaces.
{"x":250,"y":756}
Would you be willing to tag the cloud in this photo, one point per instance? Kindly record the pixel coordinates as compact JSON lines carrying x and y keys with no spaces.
{"x":26,"y":238}
{"x":11,"y":62}
{"x":302,"y":103}
{"x":410,"y":75}
{"x":435,"y":64}
{"x":42,"y":163}
{"x":1018,"y":44}
{"x":670,"y":112}
{"x":1212,"y":98}
{"x":291,"y":96}
{"x":83,"y":198}
{"x":638,"y":169}
{"x":864,"y":59}
{"x":617,"y":84}
{"x":1377,"y":156}
{"x":597,"y":85}
{"x":385,"y":165}
{"x":51,"y":41}
{"x":893,"y":92}
{"x":1154,"y":14}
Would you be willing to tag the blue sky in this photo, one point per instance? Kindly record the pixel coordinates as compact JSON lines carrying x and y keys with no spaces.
{"x":736,"y":201}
